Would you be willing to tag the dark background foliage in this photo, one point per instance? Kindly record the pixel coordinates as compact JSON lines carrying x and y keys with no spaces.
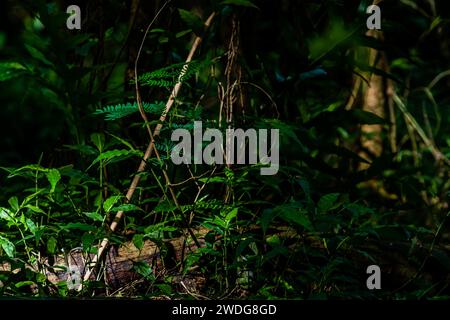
{"x":344,"y":198}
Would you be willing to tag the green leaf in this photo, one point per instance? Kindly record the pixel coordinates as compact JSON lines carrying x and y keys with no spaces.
{"x":94,"y":216}
{"x":327,"y":202}
{"x":107,"y":156}
{"x":98,"y":139}
{"x":126,"y":143}
{"x":305,"y":186}
{"x":336,"y":34}
{"x":87,"y":240}
{"x":115,"y":112}
{"x":164,"y":288}
{"x":144,"y":269}
{"x":182,"y":33}
{"x":26,"y":169}
{"x":217,"y":179}
{"x":155,"y":230}
{"x":31,"y":225}
{"x":14,"y":203}
{"x":53,"y":177}
{"x":278,"y":250}
{"x":191,"y":20}
{"x":357,"y":210}
{"x":266,"y":218}
{"x":51,"y":245}
{"x":5,"y":214}
{"x":110,"y":202}
{"x":24,"y":283}
{"x":35,"y":209}
{"x":299,"y":217}
{"x":41,"y":278}
{"x":138,"y":241}
{"x":285,"y":130}
{"x":126,"y":208}
{"x":242,"y":3}
{"x":82,"y":148}
{"x":243,"y":245}
{"x":7,"y":246}
{"x":79,"y":226}
{"x":10,"y":70}
{"x":273,"y":240}
{"x":38,"y":55}
{"x":232,"y":214}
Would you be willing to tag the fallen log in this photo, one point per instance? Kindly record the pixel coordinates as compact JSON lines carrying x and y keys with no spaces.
{"x":117,"y":270}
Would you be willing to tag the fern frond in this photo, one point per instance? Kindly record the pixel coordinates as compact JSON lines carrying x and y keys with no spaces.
{"x":188,"y":126}
{"x":169,"y":76}
{"x":118,"y":111}
{"x":203,"y":205}
{"x":165,"y":146}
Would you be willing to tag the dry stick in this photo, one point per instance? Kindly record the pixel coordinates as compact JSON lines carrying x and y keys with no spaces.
{"x":148,"y":152}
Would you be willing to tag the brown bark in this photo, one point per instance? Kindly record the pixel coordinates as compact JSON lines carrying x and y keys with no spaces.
{"x":374,"y":102}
